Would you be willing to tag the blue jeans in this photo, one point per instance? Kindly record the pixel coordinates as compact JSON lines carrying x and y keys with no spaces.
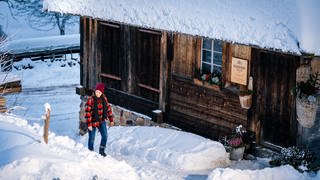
{"x":104,"y":136}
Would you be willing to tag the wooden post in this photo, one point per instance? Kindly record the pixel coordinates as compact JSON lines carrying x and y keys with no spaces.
{"x":122,"y":120}
{"x":46,"y":122}
{"x":157,"y":116}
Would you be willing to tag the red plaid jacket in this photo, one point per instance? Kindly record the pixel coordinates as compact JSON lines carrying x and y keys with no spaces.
{"x":89,"y":112}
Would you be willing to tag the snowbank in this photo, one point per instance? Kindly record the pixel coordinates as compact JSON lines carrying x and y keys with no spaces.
{"x":176,"y":149}
{"x":288,"y":25}
{"x":276,"y":173}
{"x":41,"y":44}
{"x":25,"y":156}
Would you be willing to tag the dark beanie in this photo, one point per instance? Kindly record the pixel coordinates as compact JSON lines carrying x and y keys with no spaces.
{"x":100,"y":87}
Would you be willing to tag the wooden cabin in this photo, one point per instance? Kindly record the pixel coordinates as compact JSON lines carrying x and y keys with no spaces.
{"x":158,"y":68}
{"x":147,"y":69}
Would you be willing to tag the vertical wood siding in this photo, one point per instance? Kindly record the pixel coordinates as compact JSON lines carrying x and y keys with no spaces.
{"x":135,"y":50}
{"x":234,"y":50}
{"x":273,"y":111}
{"x":186,"y":53}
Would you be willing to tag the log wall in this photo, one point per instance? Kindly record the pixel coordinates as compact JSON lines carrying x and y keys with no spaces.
{"x":204,"y":111}
{"x":211,"y":113}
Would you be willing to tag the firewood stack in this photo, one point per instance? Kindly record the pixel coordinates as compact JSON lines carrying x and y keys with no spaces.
{"x":10,"y":87}
{"x":2,"y":104}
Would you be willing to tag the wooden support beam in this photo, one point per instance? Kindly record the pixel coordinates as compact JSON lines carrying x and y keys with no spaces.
{"x":110,"y":76}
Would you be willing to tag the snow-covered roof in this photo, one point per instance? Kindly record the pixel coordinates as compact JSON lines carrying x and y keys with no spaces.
{"x":286,"y":25}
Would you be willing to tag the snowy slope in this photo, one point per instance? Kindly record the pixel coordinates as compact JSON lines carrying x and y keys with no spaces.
{"x":288,"y":25}
{"x":25,"y":156}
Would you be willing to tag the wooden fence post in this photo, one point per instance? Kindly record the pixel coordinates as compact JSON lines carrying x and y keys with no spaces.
{"x":46,"y":122}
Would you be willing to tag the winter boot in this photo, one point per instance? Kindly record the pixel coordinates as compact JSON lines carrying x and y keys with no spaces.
{"x":101,"y":151}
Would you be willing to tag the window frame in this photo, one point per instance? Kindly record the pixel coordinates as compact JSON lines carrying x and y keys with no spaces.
{"x":213,"y":51}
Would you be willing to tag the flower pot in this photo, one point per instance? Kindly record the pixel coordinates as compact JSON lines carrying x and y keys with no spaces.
{"x":236,"y":154}
{"x":306,"y":112}
{"x":245,"y":101}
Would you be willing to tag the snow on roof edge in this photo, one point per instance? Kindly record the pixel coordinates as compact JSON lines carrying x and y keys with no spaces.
{"x":290,"y":45}
{"x":225,"y":40}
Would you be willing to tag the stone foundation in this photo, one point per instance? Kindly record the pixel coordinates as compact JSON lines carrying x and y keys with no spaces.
{"x":124,"y":117}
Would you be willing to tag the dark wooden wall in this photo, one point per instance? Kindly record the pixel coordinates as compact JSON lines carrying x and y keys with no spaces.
{"x":273,"y":112}
{"x":88,"y":63}
{"x":119,"y":55}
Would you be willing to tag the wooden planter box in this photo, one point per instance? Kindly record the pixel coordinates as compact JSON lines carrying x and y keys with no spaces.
{"x":245,"y":101}
{"x":206,"y":84}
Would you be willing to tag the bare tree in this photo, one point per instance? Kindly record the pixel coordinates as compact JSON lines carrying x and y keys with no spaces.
{"x":5,"y":59}
{"x":37,"y":18}
{"x":3,"y":35}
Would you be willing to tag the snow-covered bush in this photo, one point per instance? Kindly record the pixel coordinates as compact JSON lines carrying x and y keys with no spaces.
{"x":302,"y":160}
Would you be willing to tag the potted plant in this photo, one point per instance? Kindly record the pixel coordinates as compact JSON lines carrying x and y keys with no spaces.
{"x":245,"y":98}
{"x":306,"y":93}
{"x":208,"y":79}
{"x":237,"y":144}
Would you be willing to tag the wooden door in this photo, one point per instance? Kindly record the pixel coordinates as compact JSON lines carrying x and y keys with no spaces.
{"x":273,"y":108}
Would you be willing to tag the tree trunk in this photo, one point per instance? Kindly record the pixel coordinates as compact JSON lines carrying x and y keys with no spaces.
{"x":62,"y":32}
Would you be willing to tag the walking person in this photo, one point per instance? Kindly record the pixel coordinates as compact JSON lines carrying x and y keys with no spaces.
{"x":98,"y":110}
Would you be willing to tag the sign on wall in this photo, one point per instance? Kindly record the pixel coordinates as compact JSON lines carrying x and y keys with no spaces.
{"x":239,"y":71}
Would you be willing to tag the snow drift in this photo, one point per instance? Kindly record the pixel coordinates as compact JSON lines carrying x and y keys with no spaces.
{"x":173,"y":148}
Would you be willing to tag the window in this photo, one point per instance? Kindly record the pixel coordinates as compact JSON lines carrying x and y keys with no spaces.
{"x":211,"y":56}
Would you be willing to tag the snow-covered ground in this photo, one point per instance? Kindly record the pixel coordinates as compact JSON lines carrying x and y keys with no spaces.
{"x":133,"y":152}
